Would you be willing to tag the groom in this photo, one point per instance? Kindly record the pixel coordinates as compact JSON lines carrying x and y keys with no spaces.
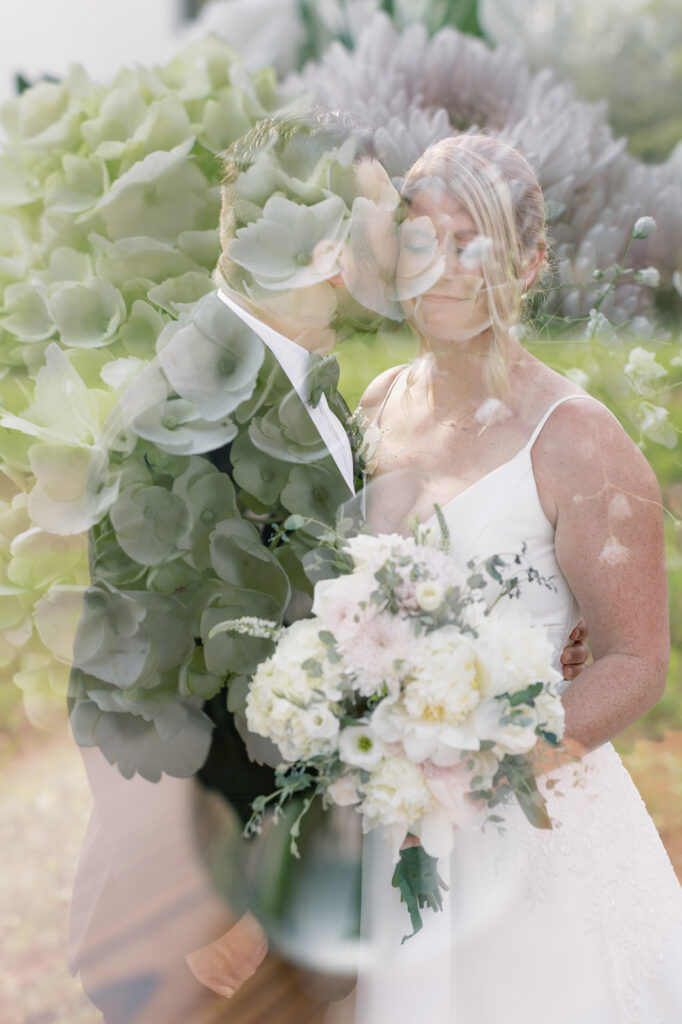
{"x":224,"y":964}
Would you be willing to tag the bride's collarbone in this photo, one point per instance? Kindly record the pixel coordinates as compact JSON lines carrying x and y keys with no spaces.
{"x":458,"y":453}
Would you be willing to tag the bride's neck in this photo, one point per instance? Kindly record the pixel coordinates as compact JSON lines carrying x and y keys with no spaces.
{"x":455,"y":371}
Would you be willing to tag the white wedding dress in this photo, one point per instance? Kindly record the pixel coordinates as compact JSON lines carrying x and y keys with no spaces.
{"x":581,"y":924}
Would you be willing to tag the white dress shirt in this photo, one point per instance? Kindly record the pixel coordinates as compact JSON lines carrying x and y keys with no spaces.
{"x":294,"y":360}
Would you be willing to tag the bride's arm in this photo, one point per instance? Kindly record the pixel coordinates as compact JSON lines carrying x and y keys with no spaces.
{"x":610,"y":547}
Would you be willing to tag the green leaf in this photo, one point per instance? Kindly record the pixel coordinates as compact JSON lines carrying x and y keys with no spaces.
{"x":419,"y":883}
{"x":491,"y":567}
{"x":294,"y":522}
{"x":525,"y":696}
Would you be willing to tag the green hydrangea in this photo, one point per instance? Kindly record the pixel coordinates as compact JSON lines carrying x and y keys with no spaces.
{"x":124,"y":383}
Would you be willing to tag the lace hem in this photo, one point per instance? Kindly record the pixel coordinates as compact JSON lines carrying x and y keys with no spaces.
{"x":604,"y":837}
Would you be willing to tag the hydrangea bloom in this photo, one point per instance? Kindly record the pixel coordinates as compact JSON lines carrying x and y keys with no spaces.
{"x":121,"y":371}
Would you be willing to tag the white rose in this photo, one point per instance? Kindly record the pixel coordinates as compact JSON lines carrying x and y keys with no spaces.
{"x":396,"y":793}
{"x":319,"y":722}
{"x":369,"y":553}
{"x":429,"y":595}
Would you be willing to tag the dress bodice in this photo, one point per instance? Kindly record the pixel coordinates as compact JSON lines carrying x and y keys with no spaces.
{"x":500,"y":512}
{"x":592,"y":902}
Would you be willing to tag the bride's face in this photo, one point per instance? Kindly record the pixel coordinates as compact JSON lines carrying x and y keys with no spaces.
{"x":455,"y":307}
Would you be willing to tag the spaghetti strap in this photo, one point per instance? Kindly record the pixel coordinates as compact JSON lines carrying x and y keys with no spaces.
{"x":377,"y":418}
{"x":553,"y":406}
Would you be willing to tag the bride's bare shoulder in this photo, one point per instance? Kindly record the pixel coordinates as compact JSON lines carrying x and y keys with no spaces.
{"x":584,"y":443}
{"x":376,"y":390}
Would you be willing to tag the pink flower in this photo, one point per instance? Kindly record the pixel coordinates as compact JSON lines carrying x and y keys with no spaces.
{"x":371,"y":653}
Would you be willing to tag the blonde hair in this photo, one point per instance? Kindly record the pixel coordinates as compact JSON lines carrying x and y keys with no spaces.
{"x":498,"y":188}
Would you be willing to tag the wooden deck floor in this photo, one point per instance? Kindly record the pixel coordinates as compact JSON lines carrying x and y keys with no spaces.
{"x":129,"y":939}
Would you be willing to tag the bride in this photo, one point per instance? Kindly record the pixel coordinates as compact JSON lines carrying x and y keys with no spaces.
{"x":581,"y":923}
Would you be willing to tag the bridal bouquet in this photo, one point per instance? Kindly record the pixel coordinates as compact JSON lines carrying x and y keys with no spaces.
{"x":409,"y":695}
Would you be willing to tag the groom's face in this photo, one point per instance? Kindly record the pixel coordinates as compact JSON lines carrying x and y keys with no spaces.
{"x":455,"y":307}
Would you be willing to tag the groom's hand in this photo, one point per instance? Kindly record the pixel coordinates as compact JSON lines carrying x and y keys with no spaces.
{"x":575,"y":654}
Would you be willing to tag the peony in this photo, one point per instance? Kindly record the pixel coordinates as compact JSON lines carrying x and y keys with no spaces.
{"x":432,"y":718}
{"x":443,"y":684}
{"x":451,"y":785}
{"x":402,"y":797}
{"x":511,"y":652}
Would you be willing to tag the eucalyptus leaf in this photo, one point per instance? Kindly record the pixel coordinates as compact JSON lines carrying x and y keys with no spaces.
{"x":149,"y":522}
{"x":287,"y":432}
{"x":257,"y":473}
{"x":239,"y":557}
{"x":134,"y":745}
{"x":316,"y":492}
{"x":237,"y":653}
{"x":417,"y":879}
{"x":194,"y":679}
